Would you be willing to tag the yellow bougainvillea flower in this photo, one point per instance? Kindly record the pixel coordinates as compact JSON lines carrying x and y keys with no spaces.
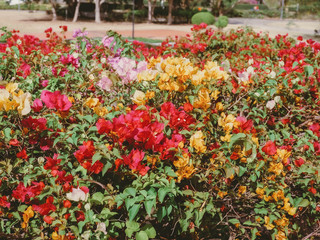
{"x":214,"y":71}
{"x":197,"y":142}
{"x":226,"y":138}
{"x":215,"y":94}
{"x":139,"y":97}
{"x":4,"y":97}
{"x":278,"y":195}
{"x":267,"y":223}
{"x":287,"y":207}
{"x":198,"y":78}
{"x":260,"y":192}
{"x":150,"y":95}
{"x":185,"y":172}
{"x":281,"y":236}
{"x":222,"y":194}
{"x":28,"y":213}
{"x":92,"y":102}
{"x":275,"y":168}
{"x":56,"y":236}
{"x":219,"y":106}
{"x":182,"y":161}
{"x":12,"y":87}
{"x":242,"y":190}
{"x":203,"y":101}
{"x":282,"y":222}
{"x":284,"y":155}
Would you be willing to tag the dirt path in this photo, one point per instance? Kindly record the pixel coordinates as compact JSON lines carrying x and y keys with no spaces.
{"x":36,"y":22}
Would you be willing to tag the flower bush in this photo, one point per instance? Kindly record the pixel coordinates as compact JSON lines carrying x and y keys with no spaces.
{"x":214,"y":136}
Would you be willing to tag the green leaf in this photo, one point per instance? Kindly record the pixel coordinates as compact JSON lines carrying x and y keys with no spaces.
{"x":133,"y":211}
{"x":130,"y":191}
{"x":97,"y":156}
{"x":116,"y":153}
{"x":162,"y":192}
{"x":309,"y":70}
{"x":16,"y":50}
{"x":236,"y":137}
{"x":106,"y":167}
{"x":149,"y":229}
{"x":168,"y":170}
{"x":234,"y":221}
{"x":97,"y":197}
{"x":142,"y":235}
{"x":148,"y":206}
{"x":304,"y":203}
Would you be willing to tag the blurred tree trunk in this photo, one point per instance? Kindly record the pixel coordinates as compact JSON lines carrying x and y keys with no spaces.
{"x":151,"y":6}
{"x":76,"y":12}
{"x":170,"y":3}
{"x":97,"y":12}
{"x":54,"y":12}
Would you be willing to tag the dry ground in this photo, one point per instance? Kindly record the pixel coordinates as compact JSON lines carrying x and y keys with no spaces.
{"x":36,"y":22}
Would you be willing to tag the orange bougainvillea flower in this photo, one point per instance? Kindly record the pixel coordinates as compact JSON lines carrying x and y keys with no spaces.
{"x":26,"y":216}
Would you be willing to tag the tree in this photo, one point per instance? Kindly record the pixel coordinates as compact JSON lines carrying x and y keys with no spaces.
{"x":151,"y":6}
{"x":221,"y":7}
{"x":170,"y":7}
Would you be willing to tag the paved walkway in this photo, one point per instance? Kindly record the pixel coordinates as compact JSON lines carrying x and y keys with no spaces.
{"x":36,"y":22}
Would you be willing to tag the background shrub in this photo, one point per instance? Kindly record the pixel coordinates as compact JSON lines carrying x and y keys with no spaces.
{"x":222,"y":22}
{"x":203,"y":17}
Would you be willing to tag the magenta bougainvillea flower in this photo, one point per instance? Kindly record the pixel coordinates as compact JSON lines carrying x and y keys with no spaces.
{"x":55,"y":100}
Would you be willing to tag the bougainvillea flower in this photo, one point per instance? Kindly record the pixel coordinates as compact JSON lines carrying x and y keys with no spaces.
{"x":55,"y":100}
{"x":80,"y":216}
{"x":77,"y":194}
{"x":48,"y":219}
{"x":24,"y":194}
{"x":37,"y":105}
{"x":45,"y":208}
{"x":4,"y":202}
{"x":299,"y":162}
{"x":270,"y":148}
{"x":197,"y":142}
{"x":28,"y":213}
{"x":22,"y":154}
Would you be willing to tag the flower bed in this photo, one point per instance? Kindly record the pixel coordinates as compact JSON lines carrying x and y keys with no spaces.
{"x":214,"y":136}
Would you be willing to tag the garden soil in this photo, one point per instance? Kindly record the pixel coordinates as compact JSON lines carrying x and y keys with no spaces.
{"x":36,"y":22}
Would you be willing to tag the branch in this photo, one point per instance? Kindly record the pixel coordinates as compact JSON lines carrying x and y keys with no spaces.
{"x":98,"y":183}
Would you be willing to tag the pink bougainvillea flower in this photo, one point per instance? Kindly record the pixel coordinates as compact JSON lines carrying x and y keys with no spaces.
{"x":55,"y":100}
{"x":270,"y":148}
{"x":37,"y":105}
{"x":24,"y":70}
{"x":105,"y":83}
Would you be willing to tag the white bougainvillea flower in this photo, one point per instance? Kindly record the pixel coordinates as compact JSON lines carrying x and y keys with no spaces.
{"x":77,"y":195}
{"x":270,"y":104}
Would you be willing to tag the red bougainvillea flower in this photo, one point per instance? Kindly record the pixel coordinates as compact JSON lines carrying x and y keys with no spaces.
{"x":270,"y":148}
{"x":67,"y":204}
{"x":35,"y":124}
{"x":298,"y":162}
{"x":14,"y":142}
{"x":55,"y":100}
{"x":45,"y":208}
{"x":24,"y":70}
{"x":4,"y":202}
{"x":24,"y":194}
{"x":48,"y":219}
{"x":22,"y":154}
{"x":80,"y":216}
{"x":52,"y":163}
{"x":133,"y":160}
